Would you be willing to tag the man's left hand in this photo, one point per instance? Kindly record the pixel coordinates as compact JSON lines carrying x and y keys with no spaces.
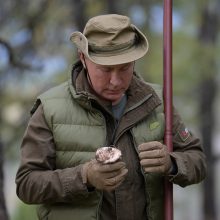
{"x":155,"y":158}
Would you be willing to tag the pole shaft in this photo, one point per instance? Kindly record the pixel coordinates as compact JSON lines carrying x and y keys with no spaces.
{"x":168,"y":100}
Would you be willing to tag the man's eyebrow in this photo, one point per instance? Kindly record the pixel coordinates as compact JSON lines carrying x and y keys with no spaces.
{"x":125,"y":65}
{"x":104,"y":67}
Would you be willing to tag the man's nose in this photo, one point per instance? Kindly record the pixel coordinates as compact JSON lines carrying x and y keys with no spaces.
{"x":115,"y":79}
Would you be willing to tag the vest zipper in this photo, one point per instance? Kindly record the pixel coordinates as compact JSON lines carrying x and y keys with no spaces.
{"x":126,"y":111}
{"x":145,"y":179}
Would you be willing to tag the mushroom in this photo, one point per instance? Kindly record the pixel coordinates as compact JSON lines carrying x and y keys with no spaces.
{"x":107,"y":155}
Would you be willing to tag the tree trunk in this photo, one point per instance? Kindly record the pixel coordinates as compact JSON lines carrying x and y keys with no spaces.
{"x":3,"y":210}
{"x":111,"y":7}
{"x":207,"y":95}
{"x":79,"y":14}
{"x":208,"y":91}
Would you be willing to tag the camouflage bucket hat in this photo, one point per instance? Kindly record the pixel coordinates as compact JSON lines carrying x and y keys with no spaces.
{"x":110,"y":40}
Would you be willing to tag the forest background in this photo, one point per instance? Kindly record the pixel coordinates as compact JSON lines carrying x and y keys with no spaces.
{"x":36,"y":54}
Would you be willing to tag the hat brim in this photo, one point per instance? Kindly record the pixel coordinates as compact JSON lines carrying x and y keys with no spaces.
{"x":134,"y":53}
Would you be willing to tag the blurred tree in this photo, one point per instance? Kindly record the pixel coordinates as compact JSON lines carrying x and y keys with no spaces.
{"x":112,"y":7}
{"x":79,"y":14}
{"x":13,"y":65}
{"x":208,"y":34}
{"x":3,"y":210}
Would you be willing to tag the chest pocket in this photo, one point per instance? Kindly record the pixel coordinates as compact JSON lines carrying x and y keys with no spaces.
{"x":150,"y":129}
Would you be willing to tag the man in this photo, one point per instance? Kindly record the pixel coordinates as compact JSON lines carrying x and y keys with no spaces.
{"x":104,"y":103}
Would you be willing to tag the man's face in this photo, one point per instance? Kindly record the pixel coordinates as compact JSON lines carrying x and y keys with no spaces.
{"x":109,"y":82}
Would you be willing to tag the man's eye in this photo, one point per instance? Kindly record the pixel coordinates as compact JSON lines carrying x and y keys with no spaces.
{"x":125,"y":68}
{"x":106,"y":70}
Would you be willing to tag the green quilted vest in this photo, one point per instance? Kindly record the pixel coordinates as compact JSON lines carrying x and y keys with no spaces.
{"x":78,"y":131}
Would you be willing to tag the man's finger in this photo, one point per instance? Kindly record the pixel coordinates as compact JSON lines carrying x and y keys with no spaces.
{"x":153,"y":162}
{"x":116,"y":179}
{"x":150,"y":146}
{"x":152,"y":154}
{"x":104,"y":168}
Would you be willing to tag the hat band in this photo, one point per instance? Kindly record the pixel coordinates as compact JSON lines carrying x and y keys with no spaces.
{"x":112,"y":49}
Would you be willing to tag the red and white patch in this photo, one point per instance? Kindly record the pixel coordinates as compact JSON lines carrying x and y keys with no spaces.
{"x":184,"y":134}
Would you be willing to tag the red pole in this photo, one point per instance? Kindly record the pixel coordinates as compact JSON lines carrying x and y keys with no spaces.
{"x":168,"y":100}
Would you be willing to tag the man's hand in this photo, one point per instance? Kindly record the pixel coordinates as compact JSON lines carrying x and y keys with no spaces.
{"x":104,"y":176}
{"x":155,"y":158}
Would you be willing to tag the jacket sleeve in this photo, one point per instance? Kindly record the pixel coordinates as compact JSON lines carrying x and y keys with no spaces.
{"x":187,"y":154}
{"x":37,"y":179}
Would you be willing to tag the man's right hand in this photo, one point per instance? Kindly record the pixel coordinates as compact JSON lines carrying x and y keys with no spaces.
{"x":104,"y":176}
